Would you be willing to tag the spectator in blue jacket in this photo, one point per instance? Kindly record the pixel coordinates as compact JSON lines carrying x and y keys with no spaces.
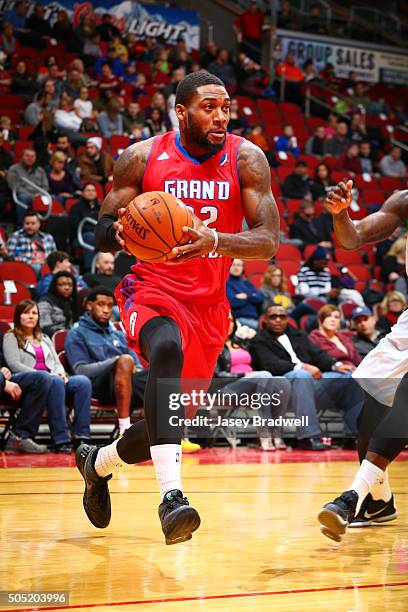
{"x":116,"y":65}
{"x":288,"y":142}
{"x":98,"y":350}
{"x":245,"y":300}
{"x":58,"y":261}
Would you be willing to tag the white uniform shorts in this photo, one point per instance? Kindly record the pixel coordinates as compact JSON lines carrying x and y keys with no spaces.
{"x":381,"y":370}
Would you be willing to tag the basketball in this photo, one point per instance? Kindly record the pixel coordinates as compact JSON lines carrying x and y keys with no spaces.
{"x":152,"y":225}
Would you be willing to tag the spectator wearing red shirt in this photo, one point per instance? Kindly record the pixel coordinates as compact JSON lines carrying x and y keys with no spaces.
{"x":248,"y":27}
{"x":334,"y":342}
{"x":294,"y":76}
{"x":350,"y":160}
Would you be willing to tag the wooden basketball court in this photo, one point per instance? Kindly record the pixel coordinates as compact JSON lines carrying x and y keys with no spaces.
{"x":259,"y":547}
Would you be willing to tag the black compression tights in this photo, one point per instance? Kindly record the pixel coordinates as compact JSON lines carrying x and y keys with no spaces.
{"x":391,"y":435}
{"x":371,"y":416}
{"x":160,"y":342}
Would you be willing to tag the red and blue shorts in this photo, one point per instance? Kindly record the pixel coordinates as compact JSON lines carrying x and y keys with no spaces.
{"x":203,"y":327}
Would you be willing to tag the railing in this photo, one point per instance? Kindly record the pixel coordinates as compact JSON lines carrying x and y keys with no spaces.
{"x":80,"y":237}
{"x":41,"y":191}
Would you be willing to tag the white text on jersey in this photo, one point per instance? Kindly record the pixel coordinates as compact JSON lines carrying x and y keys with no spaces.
{"x":198,"y":190}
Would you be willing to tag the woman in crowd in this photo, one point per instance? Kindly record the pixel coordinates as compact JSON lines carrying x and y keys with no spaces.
{"x":58,"y":308}
{"x":234,"y":365}
{"x":110,"y":121}
{"x":159,"y":101}
{"x":274,"y":288}
{"x":154,"y":125}
{"x":322,"y":182}
{"x":393,"y":264}
{"x":392,"y":306}
{"x":238,"y":124}
{"x":61,"y":183}
{"x":334,"y":342}
{"x":27,"y":349}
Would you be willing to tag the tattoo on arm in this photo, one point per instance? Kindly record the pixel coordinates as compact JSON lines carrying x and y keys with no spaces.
{"x":127,"y":177}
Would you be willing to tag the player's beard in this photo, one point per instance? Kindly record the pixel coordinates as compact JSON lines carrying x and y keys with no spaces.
{"x":196,"y":136}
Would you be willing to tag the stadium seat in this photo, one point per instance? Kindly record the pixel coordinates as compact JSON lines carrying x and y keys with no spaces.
{"x":289,"y":252}
{"x":22,"y":293}
{"x":293,"y":207}
{"x":311,"y":160}
{"x":58,"y":339}
{"x":340,"y":175}
{"x":255,"y":266}
{"x":363,"y":273}
{"x":12,"y":101}
{"x":360,"y":181}
{"x":346,"y":258}
{"x":283,"y":172}
{"x":118,"y":142}
{"x":256,"y":279}
{"x":373,"y":196}
{"x":389,"y":183}
{"x":290,"y":267}
{"x":315,"y":303}
{"x":18,"y":271}
{"x":347,"y":309}
{"x":6,"y":313}
{"x":56,"y":209}
{"x":25,"y":132}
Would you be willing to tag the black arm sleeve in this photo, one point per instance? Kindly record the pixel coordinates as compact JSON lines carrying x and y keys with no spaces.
{"x":105,"y":240}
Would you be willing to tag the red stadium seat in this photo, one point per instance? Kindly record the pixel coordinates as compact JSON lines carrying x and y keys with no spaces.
{"x":362,"y":272}
{"x":283,"y":172}
{"x":22,"y":293}
{"x":69,"y":204}
{"x":20,"y":146}
{"x":360,"y":181}
{"x":345,"y":257}
{"x":118,"y":142}
{"x":289,"y":107}
{"x":289,"y":267}
{"x":293,"y":207}
{"x":25,"y":132}
{"x":255,"y":266}
{"x":256,"y":279}
{"x":12,"y":101}
{"x":311,"y":160}
{"x":56,"y":209}
{"x":340,"y":175}
{"x":6,"y":313}
{"x":389,"y":183}
{"x":58,"y":339}
{"x":373,"y":196}
{"x":315,"y":303}
{"x":18,"y":271}
{"x":347,"y":309}
{"x":289,"y":252}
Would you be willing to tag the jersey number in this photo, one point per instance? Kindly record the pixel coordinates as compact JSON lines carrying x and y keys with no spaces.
{"x":212,"y":211}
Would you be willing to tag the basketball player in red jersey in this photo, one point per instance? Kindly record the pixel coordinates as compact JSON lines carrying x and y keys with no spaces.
{"x":383,"y":425}
{"x":176,"y":313}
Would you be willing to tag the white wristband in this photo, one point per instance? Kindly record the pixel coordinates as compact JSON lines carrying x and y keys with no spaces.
{"x":215,"y":247}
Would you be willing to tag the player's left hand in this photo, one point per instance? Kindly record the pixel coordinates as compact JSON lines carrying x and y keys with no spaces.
{"x":201,"y":243}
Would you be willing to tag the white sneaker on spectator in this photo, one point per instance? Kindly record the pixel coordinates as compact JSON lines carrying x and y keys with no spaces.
{"x":266,"y":444}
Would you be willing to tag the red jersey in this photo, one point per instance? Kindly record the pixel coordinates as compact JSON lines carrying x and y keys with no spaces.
{"x":211,"y":187}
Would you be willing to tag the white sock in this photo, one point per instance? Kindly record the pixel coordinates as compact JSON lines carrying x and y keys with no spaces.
{"x":382,"y":489}
{"x":167,"y":464}
{"x":107,"y":460}
{"x":124,"y":424}
{"x":367,"y":475}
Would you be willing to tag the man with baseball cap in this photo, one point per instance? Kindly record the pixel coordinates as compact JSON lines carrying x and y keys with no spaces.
{"x":365,"y":325}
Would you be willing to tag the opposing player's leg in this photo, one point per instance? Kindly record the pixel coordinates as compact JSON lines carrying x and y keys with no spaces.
{"x":388,"y":440}
{"x":379,"y":503}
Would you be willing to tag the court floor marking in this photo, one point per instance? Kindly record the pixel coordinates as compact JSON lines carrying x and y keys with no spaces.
{"x":210,"y":597}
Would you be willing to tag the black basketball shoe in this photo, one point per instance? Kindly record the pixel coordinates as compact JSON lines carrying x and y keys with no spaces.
{"x":374,"y":511}
{"x":335,"y":516}
{"x":96,"y":498}
{"x":178,"y":518}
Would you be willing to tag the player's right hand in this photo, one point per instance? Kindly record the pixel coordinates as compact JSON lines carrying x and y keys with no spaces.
{"x":118,"y":227}
{"x":339,"y":198}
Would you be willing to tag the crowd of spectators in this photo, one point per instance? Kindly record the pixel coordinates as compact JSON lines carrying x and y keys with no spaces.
{"x":89,"y":91}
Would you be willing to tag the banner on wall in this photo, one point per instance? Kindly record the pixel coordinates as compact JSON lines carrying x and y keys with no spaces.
{"x":371,"y":64}
{"x":141,"y":19}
